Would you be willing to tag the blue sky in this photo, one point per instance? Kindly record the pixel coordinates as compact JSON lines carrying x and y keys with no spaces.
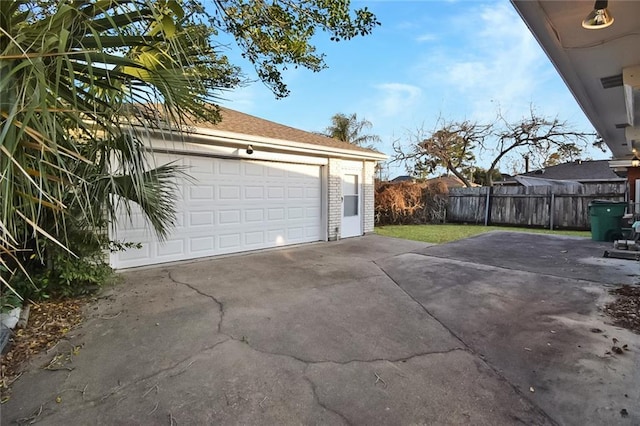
{"x":455,"y":59}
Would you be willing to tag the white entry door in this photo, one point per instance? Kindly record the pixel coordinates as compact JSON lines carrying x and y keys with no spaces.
{"x":351,"y":205}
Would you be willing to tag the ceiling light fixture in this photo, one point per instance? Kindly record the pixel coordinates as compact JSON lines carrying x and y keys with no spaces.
{"x":599,"y":16}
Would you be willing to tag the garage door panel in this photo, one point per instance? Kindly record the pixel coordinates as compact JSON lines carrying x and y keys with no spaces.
{"x":230,"y":240}
{"x":171,"y":247}
{"x":200,"y":219}
{"x":253,"y":192}
{"x":253,"y":169}
{"x":229,"y":168}
{"x":295,"y":213}
{"x":253,"y":215}
{"x":229,"y":206}
{"x":254,"y":238}
{"x":274,"y":214}
{"x":201,"y":192}
{"x":275,"y":172}
{"x":226,"y":217}
{"x":202,"y":245}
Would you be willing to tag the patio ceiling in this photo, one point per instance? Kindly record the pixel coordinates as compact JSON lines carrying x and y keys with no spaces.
{"x":585,"y":57}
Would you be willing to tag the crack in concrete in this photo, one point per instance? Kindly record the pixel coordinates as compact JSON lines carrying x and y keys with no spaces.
{"x":306,"y":362}
{"x":469,"y":349}
{"x":159,"y":372}
{"x":297,"y":358}
{"x":350,"y":361}
{"x":218,"y":303}
{"x":316,"y":397}
{"x":101,"y":399}
{"x":465,"y":347}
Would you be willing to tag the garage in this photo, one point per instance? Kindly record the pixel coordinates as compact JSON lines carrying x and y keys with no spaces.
{"x":229,"y":206}
{"x":252,"y":184}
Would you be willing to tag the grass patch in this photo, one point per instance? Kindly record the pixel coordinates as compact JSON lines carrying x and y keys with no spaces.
{"x":439,"y":234}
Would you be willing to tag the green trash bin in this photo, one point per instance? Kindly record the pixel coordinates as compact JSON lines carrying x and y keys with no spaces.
{"x":606,"y":218}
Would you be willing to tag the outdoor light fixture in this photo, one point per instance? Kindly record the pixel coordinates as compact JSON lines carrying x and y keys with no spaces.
{"x":635,"y":162}
{"x":249,"y":149}
{"x":599,"y":16}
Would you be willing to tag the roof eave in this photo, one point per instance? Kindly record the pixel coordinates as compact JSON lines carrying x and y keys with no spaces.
{"x":533,"y":15}
{"x":205,"y":135}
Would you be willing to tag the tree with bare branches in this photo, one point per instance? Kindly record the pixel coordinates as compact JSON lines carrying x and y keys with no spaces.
{"x":451,"y":147}
{"x":538,"y":137}
{"x":454,"y":145}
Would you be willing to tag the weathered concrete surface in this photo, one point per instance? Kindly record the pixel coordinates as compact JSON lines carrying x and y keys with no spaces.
{"x":563,"y":256}
{"x":370,"y":330}
{"x":534,"y":328}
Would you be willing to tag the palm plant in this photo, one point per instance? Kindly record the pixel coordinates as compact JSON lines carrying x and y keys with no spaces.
{"x":75,"y":80}
{"x":348,"y":128}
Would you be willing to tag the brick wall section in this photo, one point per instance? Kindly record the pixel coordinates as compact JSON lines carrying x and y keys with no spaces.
{"x":335,"y":198}
{"x":368,"y":190}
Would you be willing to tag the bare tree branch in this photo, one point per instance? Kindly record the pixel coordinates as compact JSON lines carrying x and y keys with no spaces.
{"x":453,"y":145}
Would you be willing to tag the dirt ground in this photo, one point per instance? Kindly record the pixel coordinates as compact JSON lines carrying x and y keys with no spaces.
{"x":625,"y":309}
{"x":49,"y":322}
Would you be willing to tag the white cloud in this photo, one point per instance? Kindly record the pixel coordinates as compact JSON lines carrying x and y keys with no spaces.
{"x":424,"y":38}
{"x":243,"y":98}
{"x":496,"y":62}
{"x":396,"y":98}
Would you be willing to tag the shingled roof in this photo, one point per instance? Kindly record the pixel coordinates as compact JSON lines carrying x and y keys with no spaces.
{"x":576,"y":170}
{"x":239,"y":122}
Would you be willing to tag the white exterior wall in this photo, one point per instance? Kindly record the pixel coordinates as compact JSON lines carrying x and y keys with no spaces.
{"x":368,"y":190}
{"x":334,"y":204}
{"x":334,"y":207}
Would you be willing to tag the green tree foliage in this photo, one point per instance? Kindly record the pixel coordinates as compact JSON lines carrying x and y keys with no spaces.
{"x":80,"y":80}
{"x":450,"y":147}
{"x":564,"y":153}
{"x":275,"y":34}
{"x":348,"y":128}
{"x":481,"y":176}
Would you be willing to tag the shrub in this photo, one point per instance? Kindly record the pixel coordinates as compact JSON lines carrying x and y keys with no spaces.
{"x":52,"y":271}
{"x":410,"y":202}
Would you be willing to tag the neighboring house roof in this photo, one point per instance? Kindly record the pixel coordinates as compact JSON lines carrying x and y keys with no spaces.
{"x":404,"y":178}
{"x":534,"y":181}
{"x":577,"y":171}
{"x":239,"y":122}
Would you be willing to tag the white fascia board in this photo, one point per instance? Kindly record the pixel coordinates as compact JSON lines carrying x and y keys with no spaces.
{"x":602,"y":180}
{"x":211,"y":136}
{"x":615,"y":164}
{"x":220,"y":151}
{"x":631,"y":82}
{"x":632,"y":134}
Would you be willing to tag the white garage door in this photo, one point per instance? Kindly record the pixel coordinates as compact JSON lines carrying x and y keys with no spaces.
{"x":230,"y":206}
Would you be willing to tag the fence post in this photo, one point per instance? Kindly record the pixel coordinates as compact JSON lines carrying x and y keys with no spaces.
{"x":487,"y":208}
{"x":552,"y":209}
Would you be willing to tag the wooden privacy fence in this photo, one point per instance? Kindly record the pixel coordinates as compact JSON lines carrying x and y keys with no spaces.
{"x":535,"y":206}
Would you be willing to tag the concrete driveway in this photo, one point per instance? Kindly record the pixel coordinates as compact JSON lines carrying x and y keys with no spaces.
{"x":490,"y":330}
